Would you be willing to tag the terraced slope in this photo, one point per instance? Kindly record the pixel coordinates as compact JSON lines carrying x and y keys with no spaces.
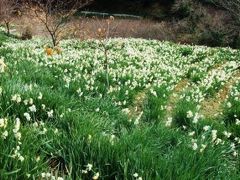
{"x":171,"y":111}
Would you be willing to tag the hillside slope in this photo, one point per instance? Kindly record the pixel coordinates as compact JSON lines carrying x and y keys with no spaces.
{"x":149,"y":8}
{"x":58,"y":118}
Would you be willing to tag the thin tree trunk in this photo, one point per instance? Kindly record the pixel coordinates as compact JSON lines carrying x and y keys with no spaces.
{"x":106,"y":67}
{"x":8,"y":27}
{"x":53,"y":39}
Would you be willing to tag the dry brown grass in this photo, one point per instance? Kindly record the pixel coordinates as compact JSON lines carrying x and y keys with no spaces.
{"x":26,"y":20}
{"x":85,"y":28}
{"x":205,"y":31}
{"x":138,"y":105}
{"x":125,"y":28}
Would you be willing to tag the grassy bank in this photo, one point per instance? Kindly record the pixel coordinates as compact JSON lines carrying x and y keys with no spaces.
{"x":60,"y":120}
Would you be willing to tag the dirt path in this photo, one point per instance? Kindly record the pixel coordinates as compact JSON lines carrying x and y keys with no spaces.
{"x":136,"y":109}
{"x":212,"y":107}
{"x":182,"y":86}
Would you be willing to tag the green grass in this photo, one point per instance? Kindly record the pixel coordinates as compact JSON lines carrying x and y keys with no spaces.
{"x":3,"y":38}
{"x":79,"y":122}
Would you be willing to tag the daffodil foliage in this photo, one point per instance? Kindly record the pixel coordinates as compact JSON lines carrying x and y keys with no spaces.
{"x":170,"y":111}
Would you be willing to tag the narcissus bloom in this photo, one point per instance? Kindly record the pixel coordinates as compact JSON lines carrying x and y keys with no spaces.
{"x":2,"y":66}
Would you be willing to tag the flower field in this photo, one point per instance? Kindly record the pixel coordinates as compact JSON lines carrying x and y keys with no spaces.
{"x":160,"y":111}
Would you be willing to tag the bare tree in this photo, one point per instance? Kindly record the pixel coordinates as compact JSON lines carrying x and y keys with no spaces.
{"x":103,"y":34}
{"x":54,"y":15}
{"x":7,"y":9}
{"x":233,"y":8}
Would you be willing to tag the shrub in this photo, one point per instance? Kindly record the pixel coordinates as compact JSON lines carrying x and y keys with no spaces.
{"x":186,"y":51}
{"x":235,"y":41}
{"x":211,"y":38}
{"x":195,"y":75}
{"x":182,"y":8}
{"x":27,"y":33}
{"x":211,"y":29}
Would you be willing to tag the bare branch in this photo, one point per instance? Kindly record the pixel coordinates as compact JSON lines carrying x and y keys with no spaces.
{"x":55,"y":14}
{"x":7,"y":10}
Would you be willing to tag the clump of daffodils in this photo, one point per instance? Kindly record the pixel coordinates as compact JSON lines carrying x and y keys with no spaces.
{"x":3,"y":122}
{"x":169,"y":122}
{"x":33,"y":108}
{"x":16,"y":98}
{"x":17,"y":155}
{"x":195,"y":117}
{"x":88,"y":168}
{"x":16,"y":132}
{"x":96,"y":176}
{"x":4,"y":129}
{"x":194,"y":145}
{"x":137,"y":177}
{"x":2,"y":66}
{"x":27,"y":116}
{"x":50,"y":113}
{"x":3,"y":125}
{"x":189,"y":114}
{"x":47,"y":175}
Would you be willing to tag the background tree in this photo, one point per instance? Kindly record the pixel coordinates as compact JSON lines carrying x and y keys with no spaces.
{"x":54,"y":15}
{"x":232,"y":6}
{"x":7,"y":10}
{"x":103,"y":34}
